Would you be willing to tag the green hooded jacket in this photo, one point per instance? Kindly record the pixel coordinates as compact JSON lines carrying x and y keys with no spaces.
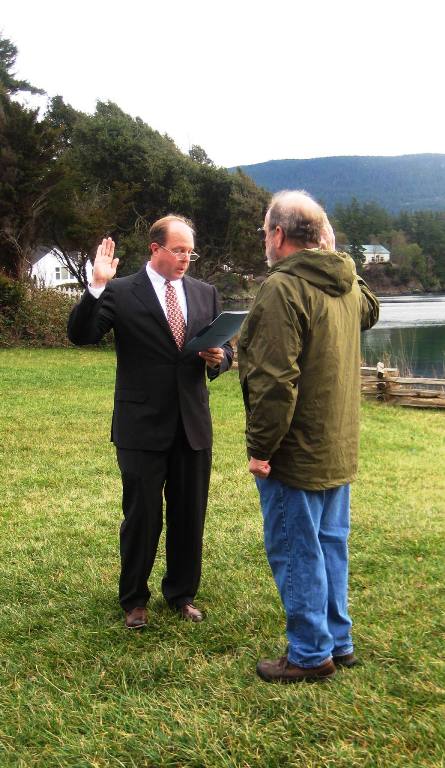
{"x":299,"y":366}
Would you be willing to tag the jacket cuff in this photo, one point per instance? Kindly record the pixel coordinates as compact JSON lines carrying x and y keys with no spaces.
{"x":259,"y":455}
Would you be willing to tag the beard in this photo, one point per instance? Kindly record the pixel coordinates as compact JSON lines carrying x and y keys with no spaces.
{"x":271,"y":256}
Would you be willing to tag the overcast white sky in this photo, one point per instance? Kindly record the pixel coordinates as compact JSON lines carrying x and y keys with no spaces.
{"x":248,"y":81}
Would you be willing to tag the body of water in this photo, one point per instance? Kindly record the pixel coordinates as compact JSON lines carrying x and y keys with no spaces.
{"x":410,"y":335}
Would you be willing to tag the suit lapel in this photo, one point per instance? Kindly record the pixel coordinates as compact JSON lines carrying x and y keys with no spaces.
{"x":144,"y":291}
{"x":192,"y":295}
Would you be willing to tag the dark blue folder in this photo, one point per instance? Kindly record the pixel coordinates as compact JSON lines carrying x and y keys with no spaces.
{"x":223,"y":328}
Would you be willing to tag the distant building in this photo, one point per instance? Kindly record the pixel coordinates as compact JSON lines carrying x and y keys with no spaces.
{"x":375,"y":254}
{"x":49,"y":272}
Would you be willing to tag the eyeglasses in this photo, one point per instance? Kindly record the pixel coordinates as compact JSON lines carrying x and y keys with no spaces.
{"x":182,"y":255}
{"x":261,"y":232}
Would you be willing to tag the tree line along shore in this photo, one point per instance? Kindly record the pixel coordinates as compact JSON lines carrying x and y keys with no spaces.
{"x":68,"y":178}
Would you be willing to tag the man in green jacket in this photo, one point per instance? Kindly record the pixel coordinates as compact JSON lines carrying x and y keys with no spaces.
{"x":299,"y":365}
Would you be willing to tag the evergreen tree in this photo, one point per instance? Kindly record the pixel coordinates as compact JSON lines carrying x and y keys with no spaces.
{"x":357,"y":252}
{"x":27,"y":169}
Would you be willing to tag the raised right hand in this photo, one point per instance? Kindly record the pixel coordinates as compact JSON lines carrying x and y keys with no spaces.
{"x":105,"y":265}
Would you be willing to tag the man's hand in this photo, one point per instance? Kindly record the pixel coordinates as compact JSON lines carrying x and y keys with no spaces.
{"x":259,"y":468}
{"x":105,"y":264}
{"x":213,"y":356}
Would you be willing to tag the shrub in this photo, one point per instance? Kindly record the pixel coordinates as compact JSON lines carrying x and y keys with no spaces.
{"x":33,"y":317}
{"x":11,"y":295}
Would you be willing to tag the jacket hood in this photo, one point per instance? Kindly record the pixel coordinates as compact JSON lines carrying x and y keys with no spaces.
{"x":330,"y":271}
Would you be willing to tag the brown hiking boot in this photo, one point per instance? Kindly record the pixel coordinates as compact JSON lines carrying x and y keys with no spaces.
{"x":347,"y":660}
{"x":283,"y":671}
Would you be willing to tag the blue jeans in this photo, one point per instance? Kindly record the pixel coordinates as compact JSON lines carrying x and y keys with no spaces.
{"x":305,"y":535}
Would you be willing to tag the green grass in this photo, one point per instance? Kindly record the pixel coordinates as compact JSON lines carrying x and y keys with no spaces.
{"x":78,"y":690}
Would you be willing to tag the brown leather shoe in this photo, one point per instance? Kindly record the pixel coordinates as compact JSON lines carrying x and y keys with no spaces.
{"x":190,"y":613}
{"x":283,"y":671}
{"x":136,"y":618}
{"x":346,"y":660}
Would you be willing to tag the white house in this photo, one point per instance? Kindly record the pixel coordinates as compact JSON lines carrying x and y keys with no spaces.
{"x":48,"y":271}
{"x":375,"y":254}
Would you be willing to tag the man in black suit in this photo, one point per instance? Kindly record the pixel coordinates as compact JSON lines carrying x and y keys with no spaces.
{"x":161,"y":423}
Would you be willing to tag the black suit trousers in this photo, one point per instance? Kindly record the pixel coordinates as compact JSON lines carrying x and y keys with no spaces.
{"x":182,"y":476}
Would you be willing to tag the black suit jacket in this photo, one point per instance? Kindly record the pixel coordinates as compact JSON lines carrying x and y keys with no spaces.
{"x":155,"y":382}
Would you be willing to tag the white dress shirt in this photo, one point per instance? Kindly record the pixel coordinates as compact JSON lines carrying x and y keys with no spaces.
{"x":158,"y":283}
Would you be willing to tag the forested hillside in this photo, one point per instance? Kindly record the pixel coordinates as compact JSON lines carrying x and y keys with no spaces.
{"x":416,"y":242}
{"x":404,"y":183}
{"x":68,"y":178}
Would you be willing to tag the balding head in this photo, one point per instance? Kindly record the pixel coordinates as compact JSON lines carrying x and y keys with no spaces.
{"x":294,"y":222}
{"x":299,"y":216}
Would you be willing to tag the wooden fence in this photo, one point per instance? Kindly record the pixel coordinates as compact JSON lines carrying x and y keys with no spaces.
{"x":385,"y":384}
{"x":70,"y":290}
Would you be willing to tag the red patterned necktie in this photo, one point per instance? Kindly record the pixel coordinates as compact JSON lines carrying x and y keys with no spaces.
{"x":174,"y":315}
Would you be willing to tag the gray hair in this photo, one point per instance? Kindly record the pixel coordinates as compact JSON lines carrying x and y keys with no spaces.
{"x":300,"y":217}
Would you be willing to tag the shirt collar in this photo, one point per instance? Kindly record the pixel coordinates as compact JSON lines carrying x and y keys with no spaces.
{"x":158,"y":279}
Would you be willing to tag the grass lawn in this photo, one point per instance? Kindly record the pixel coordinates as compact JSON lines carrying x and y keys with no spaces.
{"x":78,"y":690}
